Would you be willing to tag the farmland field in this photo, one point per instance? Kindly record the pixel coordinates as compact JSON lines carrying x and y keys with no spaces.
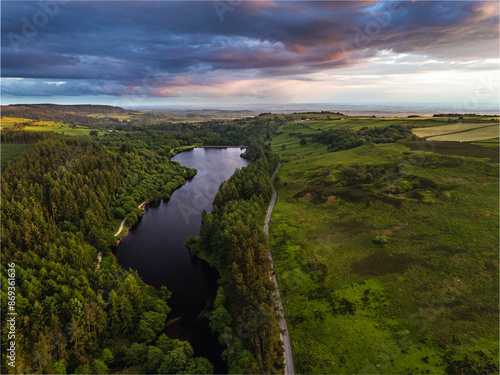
{"x":34,"y":125}
{"x":387,"y":257}
{"x":8,"y":122}
{"x":469,"y":136}
{"x":118,"y":116}
{"x":446,"y":129}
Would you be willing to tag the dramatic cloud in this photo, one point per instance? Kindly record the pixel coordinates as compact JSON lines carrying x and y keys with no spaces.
{"x":228,"y":49}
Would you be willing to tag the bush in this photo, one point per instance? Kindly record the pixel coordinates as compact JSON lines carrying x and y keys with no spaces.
{"x":191,"y":243}
{"x":404,"y":186}
{"x":107,"y":356}
{"x":381,"y":240}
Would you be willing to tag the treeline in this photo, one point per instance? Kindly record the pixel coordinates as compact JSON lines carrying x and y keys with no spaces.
{"x":455,"y":115}
{"x":244,"y":131}
{"x":25,"y":137}
{"x":217,"y":141}
{"x":148,"y":175}
{"x":155,"y":140}
{"x":147,"y":124}
{"x":245,"y":312}
{"x":344,"y":139}
{"x":73,"y":317}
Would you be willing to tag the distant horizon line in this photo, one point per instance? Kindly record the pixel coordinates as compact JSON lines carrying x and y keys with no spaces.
{"x":362,"y":109}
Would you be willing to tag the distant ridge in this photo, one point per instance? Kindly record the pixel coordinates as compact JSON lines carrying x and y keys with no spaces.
{"x":71,"y":114}
{"x":75,"y":109}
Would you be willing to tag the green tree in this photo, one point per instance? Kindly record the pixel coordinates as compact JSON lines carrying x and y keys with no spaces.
{"x":107,"y":356}
{"x":136,"y":354}
{"x":219,"y":319}
{"x":155,"y":358}
{"x":98,"y":367}
{"x":199,"y":365}
{"x":150,"y":325}
{"x":59,"y":367}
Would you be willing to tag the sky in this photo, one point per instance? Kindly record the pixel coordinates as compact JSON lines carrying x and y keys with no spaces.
{"x":234,"y":53}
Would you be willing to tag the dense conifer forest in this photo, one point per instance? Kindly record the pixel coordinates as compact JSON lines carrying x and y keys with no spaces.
{"x":61,"y":201}
{"x":245,"y":316}
{"x":58,"y":200}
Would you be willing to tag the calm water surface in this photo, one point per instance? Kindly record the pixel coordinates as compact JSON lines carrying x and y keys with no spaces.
{"x":155,"y":249}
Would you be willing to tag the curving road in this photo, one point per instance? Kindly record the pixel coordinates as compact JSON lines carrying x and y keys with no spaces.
{"x":289,"y":370}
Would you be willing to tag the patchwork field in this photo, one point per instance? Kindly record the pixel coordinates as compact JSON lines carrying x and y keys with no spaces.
{"x":387,"y":258}
{"x":447,"y":129}
{"x":34,"y":125}
{"x":118,"y":116}
{"x":469,"y":136}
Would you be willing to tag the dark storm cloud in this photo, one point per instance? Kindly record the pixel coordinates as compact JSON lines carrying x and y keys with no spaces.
{"x":115,"y":47}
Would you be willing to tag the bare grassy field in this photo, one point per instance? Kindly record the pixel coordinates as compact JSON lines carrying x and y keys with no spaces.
{"x":446,"y":129}
{"x":469,"y":136}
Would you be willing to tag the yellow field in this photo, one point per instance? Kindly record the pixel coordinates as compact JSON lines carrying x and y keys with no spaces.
{"x":54,"y":126}
{"x":468,"y":136}
{"x":8,"y":122}
{"x":446,"y":129}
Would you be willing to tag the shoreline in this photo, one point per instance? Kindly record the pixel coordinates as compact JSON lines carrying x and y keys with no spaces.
{"x":220,"y":147}
{"x":189,"y":148}
{"x":142,"y":207}
{"x":146,"y":202}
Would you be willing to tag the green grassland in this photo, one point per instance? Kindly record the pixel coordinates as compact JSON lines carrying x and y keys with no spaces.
{"x":488,"y":143}
{"x":386,"y":257}
{"x":448,"y":129}
{"x":9,"y":152}
{"x":489,"y":132}
{"x":54,"y":126}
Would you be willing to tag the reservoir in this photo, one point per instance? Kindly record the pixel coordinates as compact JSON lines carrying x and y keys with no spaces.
{"x":155,"y":248}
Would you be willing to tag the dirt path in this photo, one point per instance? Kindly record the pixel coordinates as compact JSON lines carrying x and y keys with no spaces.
{"x":289,"y":370}
{"x":123,"y":221}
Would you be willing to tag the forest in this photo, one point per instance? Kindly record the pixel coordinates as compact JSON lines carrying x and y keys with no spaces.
{"x":245,"y":313}
{"x":60,"y":204}
{"x":58,"y":201}
{"x":24,"y":137}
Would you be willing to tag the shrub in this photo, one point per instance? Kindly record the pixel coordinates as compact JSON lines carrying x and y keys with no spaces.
{"x":381,"y":240}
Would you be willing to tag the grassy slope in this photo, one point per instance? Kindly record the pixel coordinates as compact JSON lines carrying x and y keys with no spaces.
{"x":9,"y":152}
{"x":423,"y":301}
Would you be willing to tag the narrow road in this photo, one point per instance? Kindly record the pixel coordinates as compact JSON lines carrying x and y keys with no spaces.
{"x":289,"y":370}
{"x":123,"y":221}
